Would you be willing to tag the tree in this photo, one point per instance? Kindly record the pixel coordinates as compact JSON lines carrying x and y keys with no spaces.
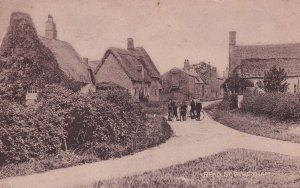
{"x":235,"y":84}
{"x":274,"y":80}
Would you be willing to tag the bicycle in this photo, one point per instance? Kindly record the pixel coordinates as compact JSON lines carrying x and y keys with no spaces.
{"x":194,"y":116}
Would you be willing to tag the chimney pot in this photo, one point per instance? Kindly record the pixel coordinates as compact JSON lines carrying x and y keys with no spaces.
{"x":130,"y":44}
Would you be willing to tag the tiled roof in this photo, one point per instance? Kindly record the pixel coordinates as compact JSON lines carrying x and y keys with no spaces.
{"x":268,"y":51}
{"x":255,"y":68}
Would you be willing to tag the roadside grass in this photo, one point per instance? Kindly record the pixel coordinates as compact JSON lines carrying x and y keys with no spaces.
{"x":157,"y":132}
{"x":232,"y":168}
{"x":255,"y":124}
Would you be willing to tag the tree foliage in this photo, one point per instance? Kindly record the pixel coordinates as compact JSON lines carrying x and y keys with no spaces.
{"x":274,"y":80}
{"x":28,"y":62}
{"x":235,"y":84}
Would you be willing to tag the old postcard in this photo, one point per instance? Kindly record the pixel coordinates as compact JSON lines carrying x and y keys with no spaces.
{"x":149,"y":93}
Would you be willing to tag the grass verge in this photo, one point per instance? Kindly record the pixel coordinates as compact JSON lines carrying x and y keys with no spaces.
{"x":233,"y":168}
{"x":254,"y":124}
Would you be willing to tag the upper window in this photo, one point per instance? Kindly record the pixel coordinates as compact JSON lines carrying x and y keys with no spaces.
{"x":32,"y":89}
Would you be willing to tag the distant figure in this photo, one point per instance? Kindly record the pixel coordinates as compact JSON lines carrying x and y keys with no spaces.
{"x":193,"y":108}
{"x":183,"y":110}
{"x":175,"y":112}
{"x":170,"y":110}
{"x":198,"y":108}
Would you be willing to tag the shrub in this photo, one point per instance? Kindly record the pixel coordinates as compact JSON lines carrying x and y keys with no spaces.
{"x":281,"y":106}
{"x":105,"y":124}
{"x":26,"y":133}
{"x":97,"y":120}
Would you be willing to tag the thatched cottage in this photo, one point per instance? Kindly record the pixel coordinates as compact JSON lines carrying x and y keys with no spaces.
{"x":251,"y":61}
{"x":131,"y":68}
{"x":70,"y":62}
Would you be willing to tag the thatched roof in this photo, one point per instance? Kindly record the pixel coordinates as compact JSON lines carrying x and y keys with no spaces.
{"x":68,"y":59}
{"x":255,"y":68}
{"x":129,"y":60}
{"x":93,"y":64}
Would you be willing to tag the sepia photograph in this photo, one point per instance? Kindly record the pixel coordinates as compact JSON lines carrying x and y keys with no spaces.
{"x":149,"y":93}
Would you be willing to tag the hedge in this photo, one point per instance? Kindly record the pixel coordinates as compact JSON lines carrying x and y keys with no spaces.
{"x":62,"y":119}
{"x":282,"y":106}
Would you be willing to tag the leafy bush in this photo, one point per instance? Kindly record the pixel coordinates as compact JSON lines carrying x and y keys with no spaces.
{"x":282,"y":106}
{"x":105,"y":124}
{"x":26,"y":133}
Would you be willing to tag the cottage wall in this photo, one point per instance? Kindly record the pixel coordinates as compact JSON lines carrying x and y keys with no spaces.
{"x":154,"y":90}
{"x":183,"y":87}
{"x":293,"y":83}
{"x":111,"y":71}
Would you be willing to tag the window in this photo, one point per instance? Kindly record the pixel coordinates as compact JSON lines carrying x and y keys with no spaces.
{"x":146,"y":91}
{"x":32,"y":89}
{"x":136,"y":91}
{"x":295,"y":88}
{"x":203,"y":90}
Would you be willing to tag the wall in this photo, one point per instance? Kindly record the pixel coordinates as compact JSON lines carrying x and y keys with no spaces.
{"x":186,"y":88}
{"x":292,"y":81}
{"x":155,"y":85}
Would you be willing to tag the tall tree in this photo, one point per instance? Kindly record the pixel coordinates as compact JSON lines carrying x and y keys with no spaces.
{"x":274,"y":80}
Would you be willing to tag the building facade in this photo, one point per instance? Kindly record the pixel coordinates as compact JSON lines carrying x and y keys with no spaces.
{"x":199,"y":81}
{"x":251,"y":61}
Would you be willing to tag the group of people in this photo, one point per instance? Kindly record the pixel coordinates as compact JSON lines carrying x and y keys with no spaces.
{"x":182,"y":109}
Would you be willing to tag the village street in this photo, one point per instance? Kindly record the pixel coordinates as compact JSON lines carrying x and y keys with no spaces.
{"x":192,"y":140}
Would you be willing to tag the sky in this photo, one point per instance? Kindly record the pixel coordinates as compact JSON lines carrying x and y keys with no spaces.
{"x":170,"y":30}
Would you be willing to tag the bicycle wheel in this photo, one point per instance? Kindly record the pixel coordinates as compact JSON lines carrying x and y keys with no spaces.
{"x":201,"y":115}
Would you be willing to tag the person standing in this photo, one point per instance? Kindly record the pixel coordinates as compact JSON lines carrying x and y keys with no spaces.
{"x":175,"y":111}
{"x":170,"y":110}
{"x":193,"y":107}
{"x":183,"y":110}
{"x":198,"y":108}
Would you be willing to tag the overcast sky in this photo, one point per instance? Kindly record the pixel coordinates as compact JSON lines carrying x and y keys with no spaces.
{"x":170,"y":30}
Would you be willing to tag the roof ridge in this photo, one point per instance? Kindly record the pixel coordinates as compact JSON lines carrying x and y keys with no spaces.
{"x":258,"y":45}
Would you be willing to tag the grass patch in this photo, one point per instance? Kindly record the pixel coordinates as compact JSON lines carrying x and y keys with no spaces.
{"x":255,"y":124}
{"x":157,"y":132}
{"x":265,"y":169}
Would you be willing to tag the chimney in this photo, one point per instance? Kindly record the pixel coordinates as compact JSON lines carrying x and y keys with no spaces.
{"x":187,"y":64}
{"x":50,"y":30}
{"x":130,"y":44}
{"x":232,"y":38}
{"x":85,"y":60}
